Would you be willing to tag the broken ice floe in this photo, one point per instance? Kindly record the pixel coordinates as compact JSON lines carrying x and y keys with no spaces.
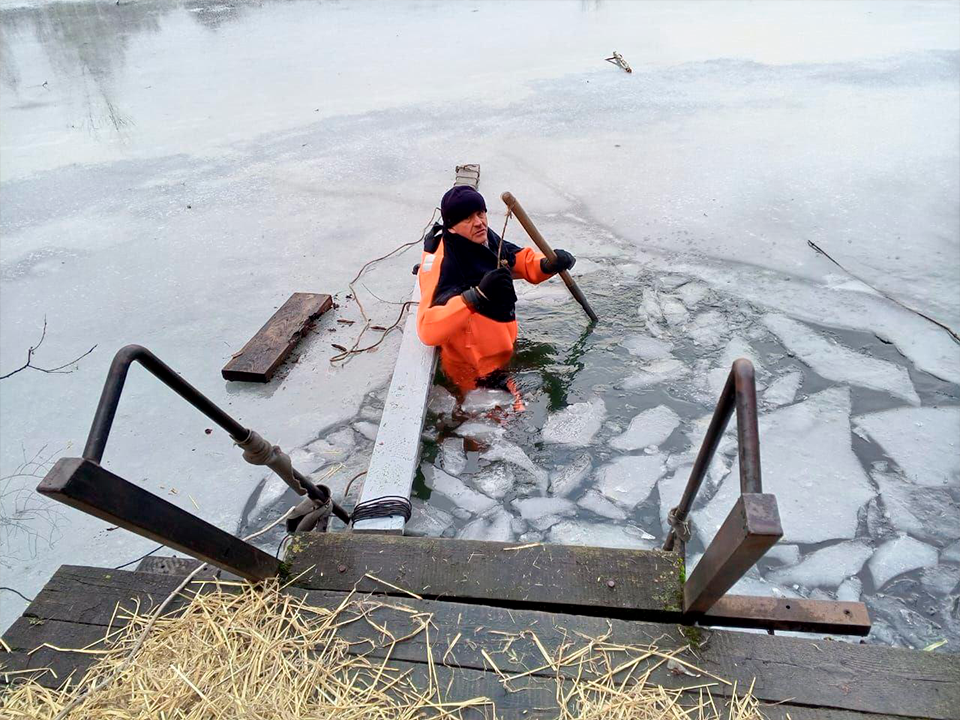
{"x":655,"y":372}
{"x":836,"y":362}
{"x":924,"y":512}
{"x":442,"y":401}
{"x":514,"y":455}
{"x":484,"y":399}
{"x":708,"y":328}
{"x":849,"y":590}
{"x":647,"y":347}
{"x":427,"y":520}
{"x":576,"y":424}
{"x":605,"y":534}
{"x":924,"y":442}
{"x":495,"y":480}
{"x":826,"y":567}
{"x":808,"y":463}
{"x":495,"y":526}
{"x":453,"y":459}
{"x":565,"y":480}
{"x":783,"y":554}
{"x":898,"y":556}
{"x":455,"y":490}
{"x":783,"y":390}
{"x":692,"y":293}
{"x":651,"y":427}
{"x":628,"y":480}
{"x":597,"y":503}
{"x":479,"y":430}
{"x":532,"y":509}
{"x":367,"y":429}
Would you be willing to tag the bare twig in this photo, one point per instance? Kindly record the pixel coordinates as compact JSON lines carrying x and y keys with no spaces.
{"x":57,"y":370}
{"x":821,"y":251}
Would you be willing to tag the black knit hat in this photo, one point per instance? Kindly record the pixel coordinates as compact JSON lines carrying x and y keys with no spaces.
{"x":459,"y":203}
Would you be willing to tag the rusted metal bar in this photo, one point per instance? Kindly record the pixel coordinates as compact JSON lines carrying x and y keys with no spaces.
{"x":81,"y":483}
{"x":797,"y":614}
{"x":110,"y":400}
{"x":514,"y":207}
{"x":751,"y":528}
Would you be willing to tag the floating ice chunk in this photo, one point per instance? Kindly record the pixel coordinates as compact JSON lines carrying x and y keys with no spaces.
{"x":452,"y":457}
{"x":898,"y":556}
{"x":809,"y":465}
{"x":951,"y":553}
{"x":514,"y":454}
{"x":924,"y":442}
{"x":461,"y":495}
{"x":836,"y":362}
{"x":758,"y":587}
{"x":628,"y":480}
{"x":674,"y":311}
{"x":924,"y":512}
{"x":655,"y":372}
{"x":692,"y":293}
{"x":334,"y":447}
{"x":565,"y":480}
{"x":492,"y":527}
{"x":783,"y":390}
{"x":783,"y":554}
{"x":673,"y":281}
{"x":484,"y":399}
{"x":849,"y":590}
{"x":671,"y":488}
{"x":536,"y":508}
{"x":367,"y":429}
{"x":709,"y":328}
{"x":647,"y":348}
{"x":827,"y":567}
{"x":651,"y":427}
{"x":441,"y":401}
{"x":650,"y":307}
{"x":530,"y":536}
{"x":597,"y":503}
{"x":580,"y":532}
{"x":575,"y":424}
{"x":518,"y":526}
{"x":484,"y":432}
{"x":427,"y":520}
{"x":495,"y":480}
{"x":941,"y":579}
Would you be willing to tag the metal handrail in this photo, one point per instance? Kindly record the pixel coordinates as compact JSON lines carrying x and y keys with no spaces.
{"x":740,"y":392}
{"x":110,"y":399}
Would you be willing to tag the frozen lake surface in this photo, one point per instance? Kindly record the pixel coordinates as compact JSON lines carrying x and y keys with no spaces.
{"x":171,"y":172}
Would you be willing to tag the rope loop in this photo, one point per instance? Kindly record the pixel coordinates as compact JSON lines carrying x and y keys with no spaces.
{"x":681,"y":528}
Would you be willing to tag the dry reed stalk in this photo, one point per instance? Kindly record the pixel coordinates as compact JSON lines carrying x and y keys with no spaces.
{"x":257,"y":653}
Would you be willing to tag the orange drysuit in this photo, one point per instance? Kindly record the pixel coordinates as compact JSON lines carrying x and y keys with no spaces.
{"x":471,"y":345}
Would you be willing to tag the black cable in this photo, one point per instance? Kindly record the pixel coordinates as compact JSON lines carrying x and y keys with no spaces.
{"x":120,"y":567}
{"x":383,"y":507}
{"x":16,"y":592}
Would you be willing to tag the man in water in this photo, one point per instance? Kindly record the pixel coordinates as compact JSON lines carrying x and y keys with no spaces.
{"x":467,"y":300}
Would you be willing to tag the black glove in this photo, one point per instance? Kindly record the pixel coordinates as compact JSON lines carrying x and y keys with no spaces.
{"x":494,"y":296}
{"x":564,"y":261}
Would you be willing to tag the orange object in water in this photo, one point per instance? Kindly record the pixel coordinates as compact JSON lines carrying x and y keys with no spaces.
{"x":471,"y":345}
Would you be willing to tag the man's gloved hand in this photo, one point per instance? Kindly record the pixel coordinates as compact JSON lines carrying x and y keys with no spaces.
{"x":494,"y":296}
{"x":564,"y":261}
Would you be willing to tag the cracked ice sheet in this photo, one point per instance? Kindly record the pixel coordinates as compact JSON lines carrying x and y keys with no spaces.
{"x":827,"y":567}
{"x":628,"y":480}
{"x":924,"y":442}
{"x":576,"y":424}
{"x":930,"y":348}
{"x":605,"y":534}
{"x":809,"y":465}
{"x":836,"y":362}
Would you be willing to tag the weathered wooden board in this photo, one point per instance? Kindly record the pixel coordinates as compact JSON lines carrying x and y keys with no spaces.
{"x":396,"y":453}
{"x":259,"y":359}
{"x":643,"y":584}
{"x":836,"y":681}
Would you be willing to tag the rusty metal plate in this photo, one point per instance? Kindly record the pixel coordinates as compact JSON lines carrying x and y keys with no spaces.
{"x":798,"y":614}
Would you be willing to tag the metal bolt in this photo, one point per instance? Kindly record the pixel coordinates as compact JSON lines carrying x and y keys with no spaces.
{"x":341,"y":568}
{"x":611,"y":584}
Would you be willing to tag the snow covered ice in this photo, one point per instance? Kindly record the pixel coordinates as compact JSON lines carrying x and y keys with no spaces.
{"x":897,"y":556}
{"x":827,"y":567}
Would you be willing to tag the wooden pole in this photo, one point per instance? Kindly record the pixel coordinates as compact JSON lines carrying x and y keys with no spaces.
{"x":514,"y":207}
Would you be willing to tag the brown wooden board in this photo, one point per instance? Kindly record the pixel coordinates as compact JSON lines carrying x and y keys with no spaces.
{"x":641,"y":584}
{"x":832,"y":680}
{"x":259,"y":359}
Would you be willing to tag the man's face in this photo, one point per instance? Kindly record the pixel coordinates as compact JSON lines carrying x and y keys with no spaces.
{"x":473,"y":228}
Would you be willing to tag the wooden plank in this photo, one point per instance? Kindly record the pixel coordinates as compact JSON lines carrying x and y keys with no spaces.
{"x":86,"y":486}
{"x":645,"y":583}
{"x":396,"y":453}
{"x":259,"y":359}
